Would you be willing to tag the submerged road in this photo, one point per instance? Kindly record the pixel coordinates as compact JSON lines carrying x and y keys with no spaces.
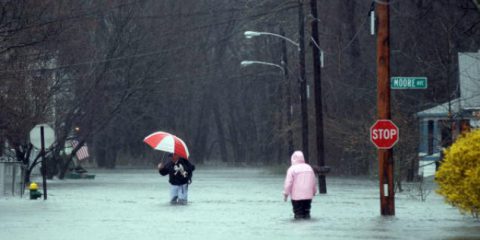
{"x":224,"y":204}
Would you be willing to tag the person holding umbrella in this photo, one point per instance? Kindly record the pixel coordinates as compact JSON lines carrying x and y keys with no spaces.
{"x":179,"y":172}
{"x":179,"y":168}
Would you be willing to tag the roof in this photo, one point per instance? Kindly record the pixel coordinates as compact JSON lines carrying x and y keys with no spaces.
{"x":469,"y":73}
{"x":457,"y":106}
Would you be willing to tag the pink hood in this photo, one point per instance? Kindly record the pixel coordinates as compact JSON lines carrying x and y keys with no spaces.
{"x":300,"y":182}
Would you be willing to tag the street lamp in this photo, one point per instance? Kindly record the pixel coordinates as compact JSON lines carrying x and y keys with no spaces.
{"x":302,"y":79}
{"x":248,"y":63}
{"x":251,"y":34}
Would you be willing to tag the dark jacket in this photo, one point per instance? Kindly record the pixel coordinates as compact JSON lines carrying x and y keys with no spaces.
{"x":179,"y":173}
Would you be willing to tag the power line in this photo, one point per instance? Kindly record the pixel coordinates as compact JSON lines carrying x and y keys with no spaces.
{"x":350,"y":42}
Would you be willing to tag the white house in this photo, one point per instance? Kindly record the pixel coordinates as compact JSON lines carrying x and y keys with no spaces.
{"x":442,"y":123}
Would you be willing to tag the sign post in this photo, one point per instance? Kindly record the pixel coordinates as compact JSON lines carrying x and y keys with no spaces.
{"x":42,"y":136}
{"x":44,"y":162}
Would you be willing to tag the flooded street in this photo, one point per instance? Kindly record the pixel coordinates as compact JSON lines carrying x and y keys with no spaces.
{"x":224,"y":204}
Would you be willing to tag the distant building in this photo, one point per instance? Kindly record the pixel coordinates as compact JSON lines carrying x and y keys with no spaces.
{"x":440,"y":125}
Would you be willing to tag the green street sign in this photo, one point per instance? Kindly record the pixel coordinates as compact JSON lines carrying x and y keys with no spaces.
{"x":408,"y":83}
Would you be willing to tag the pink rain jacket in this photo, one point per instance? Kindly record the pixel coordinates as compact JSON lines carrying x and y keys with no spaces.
{"x":300,"y":182}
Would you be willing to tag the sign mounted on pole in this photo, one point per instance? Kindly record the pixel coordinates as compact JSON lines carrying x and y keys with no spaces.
{"x":48,"y":134}
{"x":42,"y":136}
{"x":408,"y":83}
{"x":384,"y":134}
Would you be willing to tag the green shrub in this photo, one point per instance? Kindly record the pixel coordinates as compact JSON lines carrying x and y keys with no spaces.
{"x":459,"y":175}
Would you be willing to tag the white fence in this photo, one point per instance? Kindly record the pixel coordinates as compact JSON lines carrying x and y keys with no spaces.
{"x":11,"y":178}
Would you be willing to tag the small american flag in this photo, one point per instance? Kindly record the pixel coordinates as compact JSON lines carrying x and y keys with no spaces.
{"x":82,"y":153}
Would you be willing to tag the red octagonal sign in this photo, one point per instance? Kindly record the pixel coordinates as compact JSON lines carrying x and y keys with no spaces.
{"x":384,"y":134}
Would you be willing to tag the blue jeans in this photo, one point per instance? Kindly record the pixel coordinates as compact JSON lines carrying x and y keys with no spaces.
{"x":179,"y":193}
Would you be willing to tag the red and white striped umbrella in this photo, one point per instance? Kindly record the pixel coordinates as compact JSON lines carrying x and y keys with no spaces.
{"x":167,"y":142}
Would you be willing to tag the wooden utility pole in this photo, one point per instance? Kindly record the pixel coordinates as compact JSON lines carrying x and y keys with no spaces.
{"x":385,"y":156}
{"x":303,"y":79}
{"x":317,"y":84}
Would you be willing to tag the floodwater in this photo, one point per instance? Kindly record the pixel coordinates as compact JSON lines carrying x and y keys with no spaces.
{"x":225,"y":204}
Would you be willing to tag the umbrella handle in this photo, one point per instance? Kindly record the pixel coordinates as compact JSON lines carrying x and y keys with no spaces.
{"x":163,"y":157}
{"x":161,"y":161}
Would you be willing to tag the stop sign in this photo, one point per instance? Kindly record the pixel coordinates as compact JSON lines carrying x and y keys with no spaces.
{"x":384,"y":134}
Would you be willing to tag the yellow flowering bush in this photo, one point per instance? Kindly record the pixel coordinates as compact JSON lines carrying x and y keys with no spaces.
{"x":459,"y":174}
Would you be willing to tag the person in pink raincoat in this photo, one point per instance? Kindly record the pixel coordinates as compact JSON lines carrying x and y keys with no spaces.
{"x":300,"y":185}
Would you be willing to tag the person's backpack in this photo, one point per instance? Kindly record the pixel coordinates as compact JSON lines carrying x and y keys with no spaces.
{"x":189,"y":177}
{"x":190,"y":173}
